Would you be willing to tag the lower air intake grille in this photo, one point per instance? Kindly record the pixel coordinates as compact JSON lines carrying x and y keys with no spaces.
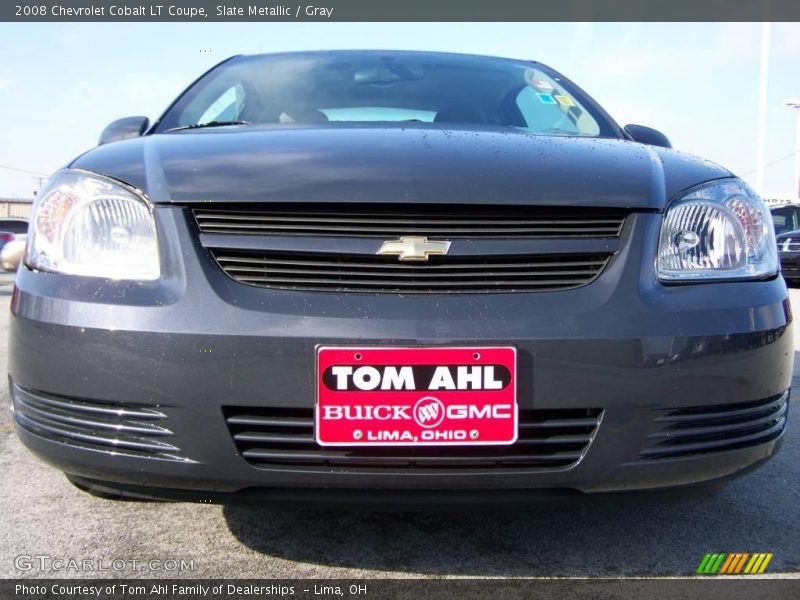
{"x":717,"y":428}
{"x":281,"y":437}
{"x":114,"y":428}
{"x":440,"y":275}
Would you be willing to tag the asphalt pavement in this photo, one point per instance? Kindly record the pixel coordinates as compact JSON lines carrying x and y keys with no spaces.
{"x":43,"y":515}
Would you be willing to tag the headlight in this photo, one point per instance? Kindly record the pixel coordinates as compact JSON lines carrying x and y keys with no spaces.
{"x":718,"y":230}
{"x":85,"y":224}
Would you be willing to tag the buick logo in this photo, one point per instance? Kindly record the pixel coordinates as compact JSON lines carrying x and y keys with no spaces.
{"x":429,"y":412}
{"x":414,"y":248}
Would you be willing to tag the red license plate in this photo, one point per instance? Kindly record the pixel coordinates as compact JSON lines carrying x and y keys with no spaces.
{"x":416,"y":396}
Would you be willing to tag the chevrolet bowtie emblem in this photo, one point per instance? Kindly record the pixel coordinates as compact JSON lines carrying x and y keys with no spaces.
{"x":414,"y":248}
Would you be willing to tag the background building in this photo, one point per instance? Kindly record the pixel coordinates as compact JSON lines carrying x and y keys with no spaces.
{"x":14,"y":207}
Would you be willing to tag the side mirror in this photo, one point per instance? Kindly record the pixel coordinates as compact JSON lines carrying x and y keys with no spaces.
{"x":124,"y":129}
{"x":647,"y":135}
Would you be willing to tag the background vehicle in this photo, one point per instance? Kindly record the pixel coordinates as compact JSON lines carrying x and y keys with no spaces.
{"x":11,"y":228}
{"x":12,"y":252}
{"x":789,"y":254}
{"x":786,"y":218}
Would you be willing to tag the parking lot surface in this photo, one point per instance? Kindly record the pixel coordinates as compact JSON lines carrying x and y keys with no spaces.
{"x":43,"y":515}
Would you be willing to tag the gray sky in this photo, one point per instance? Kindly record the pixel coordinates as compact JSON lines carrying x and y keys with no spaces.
{"x":60,"y":84}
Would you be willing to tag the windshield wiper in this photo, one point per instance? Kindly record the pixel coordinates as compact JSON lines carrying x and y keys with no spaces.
{"x":209,"y":124}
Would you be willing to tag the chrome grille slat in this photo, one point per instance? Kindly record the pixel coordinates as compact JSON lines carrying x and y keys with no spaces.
{"x":346,"y":457}
{"x":370,"y":273}
{"x":62,"y":430}
{"x":281,"y":438}
{"x":399,"y":283}
{"x":61,"y":417}
{"x":558,"y":423}
{"x":245,"y":271}
{"x":739,"y":425}
{"x":693,"y":416}
{"x":684,"y":448}
{"x":107,"y":427}
{"x":266,"y":421}
{"x":78,"y":406}
{"x":276,"y":437}
{"x":378,"y":220}
{"x":280,"y":260}
{"x":700,"y":430}
{"x":390,"y":230}
{"x":371,"y":219}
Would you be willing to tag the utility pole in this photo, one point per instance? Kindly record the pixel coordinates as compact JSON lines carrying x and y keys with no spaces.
{"x":761,"y":142}
{"x":795,"y":104}
{"x":39,"y":181}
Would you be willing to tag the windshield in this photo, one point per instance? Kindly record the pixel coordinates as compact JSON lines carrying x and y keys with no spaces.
{"x":14,"y":225}
{"x":363,"y":87}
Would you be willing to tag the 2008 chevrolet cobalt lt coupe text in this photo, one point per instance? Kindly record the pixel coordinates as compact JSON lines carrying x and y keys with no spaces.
{"x":426,"y":274}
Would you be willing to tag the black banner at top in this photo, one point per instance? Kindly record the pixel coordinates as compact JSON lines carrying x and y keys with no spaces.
{"x":399,"y":10}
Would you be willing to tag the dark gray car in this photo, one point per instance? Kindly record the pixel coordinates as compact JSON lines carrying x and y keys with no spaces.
{"x":427,"y":274}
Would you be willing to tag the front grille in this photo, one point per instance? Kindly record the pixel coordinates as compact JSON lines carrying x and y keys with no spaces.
{"x":107,"y":427}
{"x":284,"y":437}
{"x":789,"y":245}
{"x":717,"y":428}
{"x":790,"y":267}
{"x":444,"y":275}
{"x":384,"y":221}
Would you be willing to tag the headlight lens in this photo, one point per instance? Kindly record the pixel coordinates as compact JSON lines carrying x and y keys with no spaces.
{"x":719,"y":230}
{"x":85,"y":224}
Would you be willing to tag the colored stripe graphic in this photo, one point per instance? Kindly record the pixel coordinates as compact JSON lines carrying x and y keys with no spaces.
{"x":749,"y":568}
{"x":741,"y":562}
{"x":711,"y":563}
{"x":715,"y":566}
{"x":735,"y":563}
{"x":758,"y":563}
{"x":767,"y":558}
{"x":729,"y":562}
{"x":704,"y":563}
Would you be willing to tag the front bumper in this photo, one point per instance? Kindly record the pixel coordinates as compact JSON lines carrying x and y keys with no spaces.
{"x":196,"y":343}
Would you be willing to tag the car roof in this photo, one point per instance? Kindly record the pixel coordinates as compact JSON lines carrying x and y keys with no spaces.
{"x":374,"y":52}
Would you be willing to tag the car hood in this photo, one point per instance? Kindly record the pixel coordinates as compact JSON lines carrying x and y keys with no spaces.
{"x":409,"y":164}
{"x":788,"y":234}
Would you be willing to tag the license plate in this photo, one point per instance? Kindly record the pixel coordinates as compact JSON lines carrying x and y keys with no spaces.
{"x":416,"y":396}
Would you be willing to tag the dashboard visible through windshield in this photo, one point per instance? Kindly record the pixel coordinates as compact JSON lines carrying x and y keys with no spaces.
{"x":389,"y":87}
